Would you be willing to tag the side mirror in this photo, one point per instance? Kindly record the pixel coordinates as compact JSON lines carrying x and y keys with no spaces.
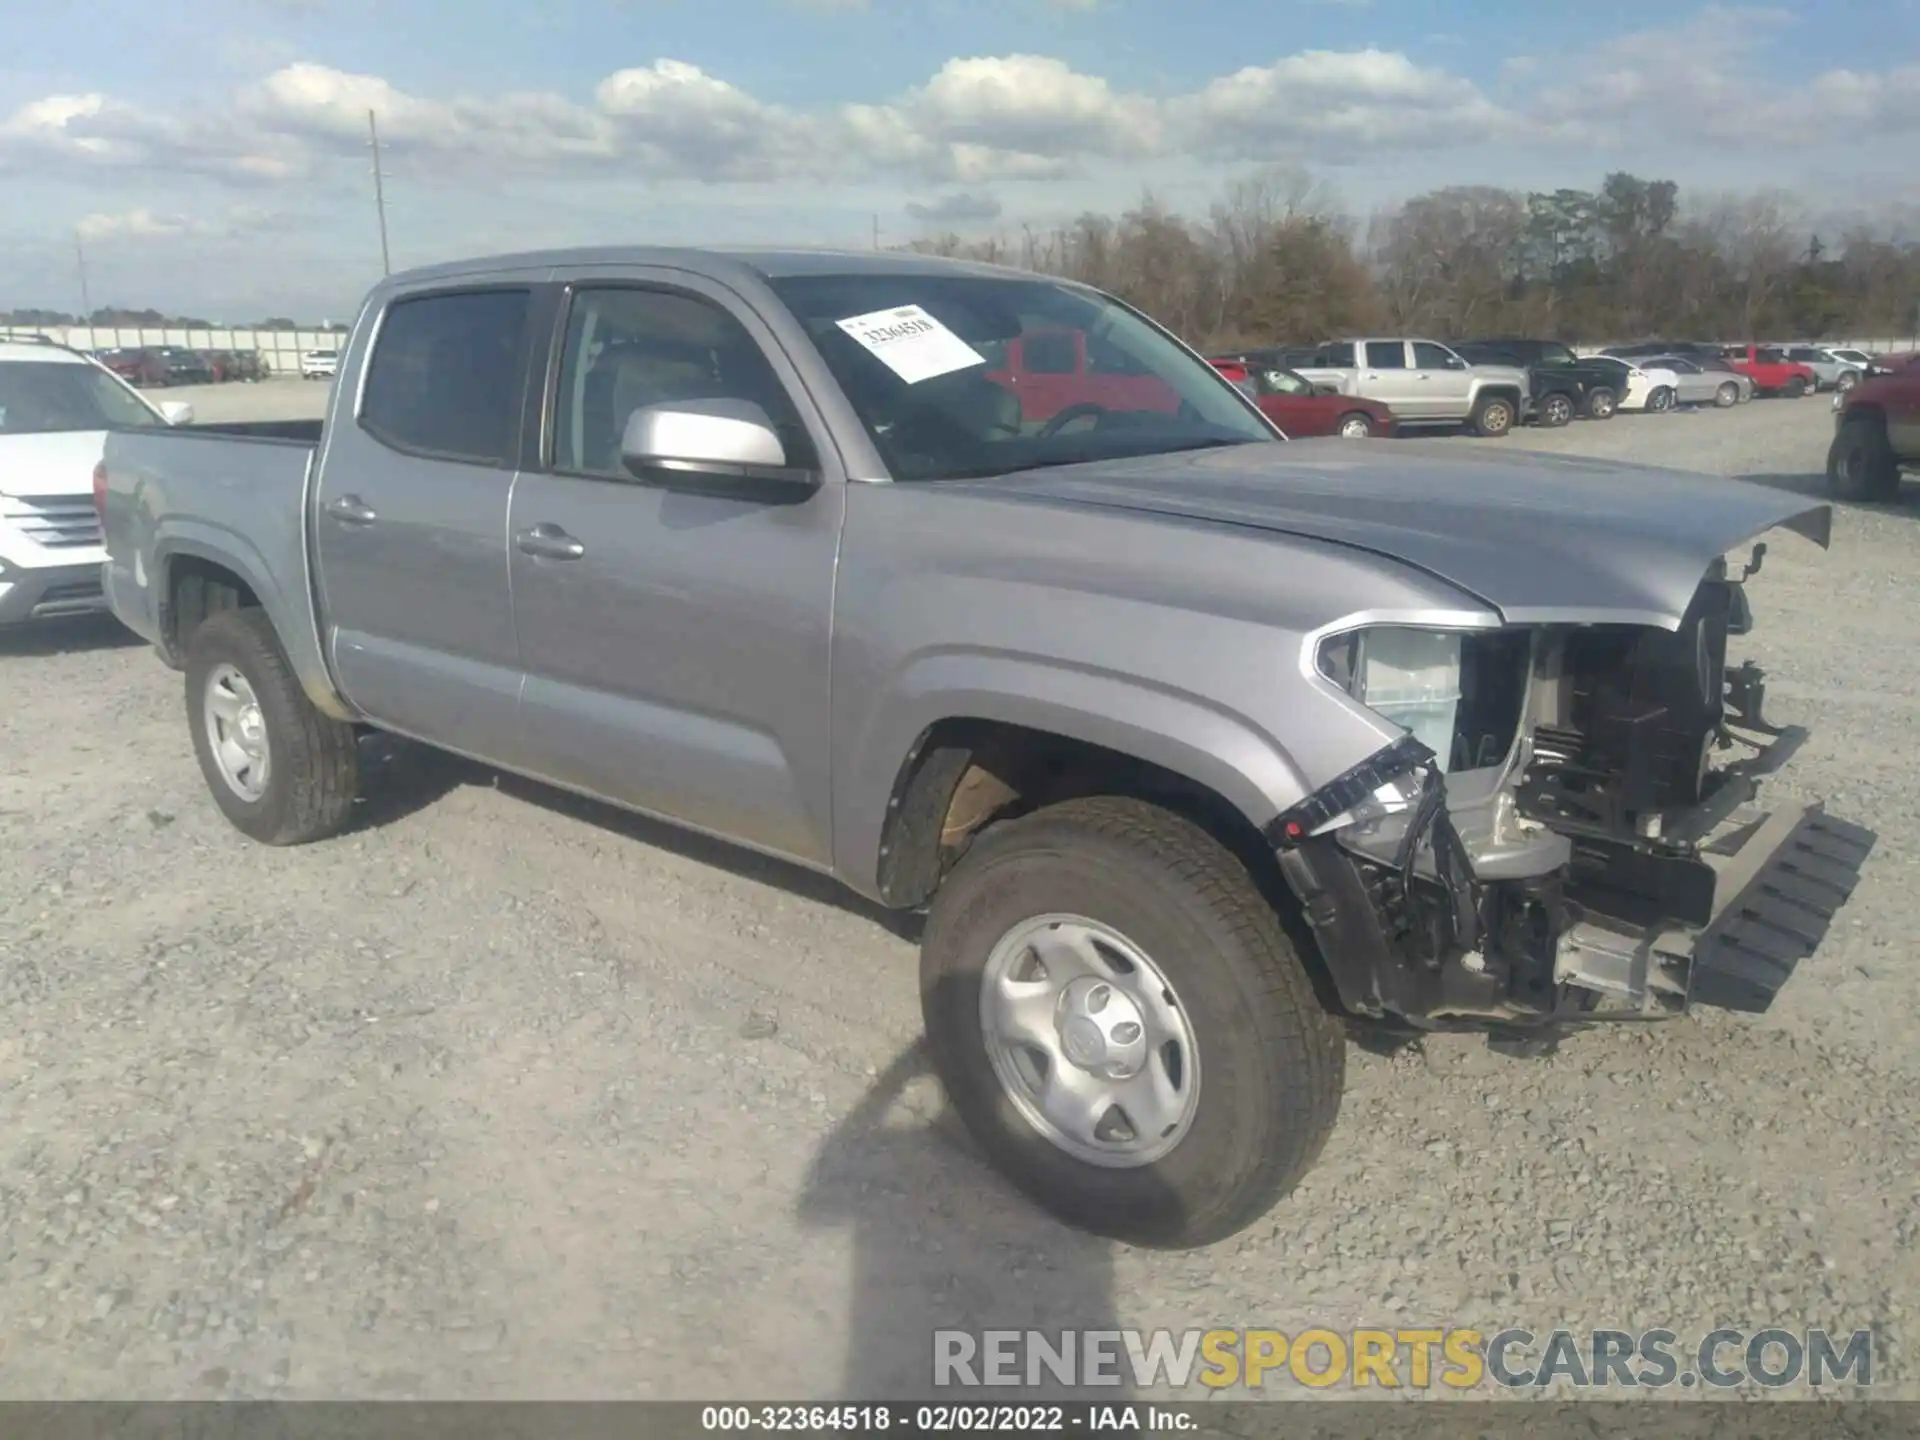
{"x":176,"y":412}
{"x":710,"y":442}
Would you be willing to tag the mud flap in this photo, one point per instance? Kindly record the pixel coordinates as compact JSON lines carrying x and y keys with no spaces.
{"x":1779,"y":902}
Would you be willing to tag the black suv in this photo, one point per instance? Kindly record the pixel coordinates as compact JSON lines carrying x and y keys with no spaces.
{"x":1564,"y":385}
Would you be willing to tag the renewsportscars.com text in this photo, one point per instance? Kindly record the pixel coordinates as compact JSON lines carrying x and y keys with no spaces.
{"x":1419,"y":1359}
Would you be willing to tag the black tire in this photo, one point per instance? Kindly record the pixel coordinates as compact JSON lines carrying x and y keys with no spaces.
{"x":1602,"y":403}
{"x":1661,"y":399}
{"x":1272,"y":1060}
{"x":1556,"y":410}
{"x":1796,"y":387}
{"x":1493,"y":416}
{"x":313,"y":772}
{"x":1728,"y":395}
{"x":1355,"y":425}
{"x":1861,"y":464}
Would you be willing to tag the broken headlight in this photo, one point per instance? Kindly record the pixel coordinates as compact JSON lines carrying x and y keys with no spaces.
{"x":1402,"y":674}
{"x":1460,"y":693}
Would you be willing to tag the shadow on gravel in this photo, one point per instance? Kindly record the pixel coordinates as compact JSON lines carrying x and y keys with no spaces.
{"x":941,"y":1243}
{"x":60,"y":637}
{"x":400,"y":778}
{"x":1814,"y":487}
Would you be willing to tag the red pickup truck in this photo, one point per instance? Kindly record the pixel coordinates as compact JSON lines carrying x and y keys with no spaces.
{"x":1770,"y":370}
{"x":1876,"y":433}
{"x":1291,"y":402}
{"x":1056,"y":371}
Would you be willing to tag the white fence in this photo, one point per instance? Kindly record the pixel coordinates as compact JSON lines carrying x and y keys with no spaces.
{"x":280,"y":350}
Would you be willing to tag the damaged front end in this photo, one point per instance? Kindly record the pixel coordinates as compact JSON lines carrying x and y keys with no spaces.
{"x":1563,"y":834}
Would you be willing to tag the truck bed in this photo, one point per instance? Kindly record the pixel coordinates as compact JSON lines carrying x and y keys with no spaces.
{"x":231,"y":495}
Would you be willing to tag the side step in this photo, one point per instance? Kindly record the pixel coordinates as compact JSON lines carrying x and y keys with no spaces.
{"x":1781,"y":898}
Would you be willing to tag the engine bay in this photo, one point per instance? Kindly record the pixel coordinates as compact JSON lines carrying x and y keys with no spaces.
{"x":1561,"y":835}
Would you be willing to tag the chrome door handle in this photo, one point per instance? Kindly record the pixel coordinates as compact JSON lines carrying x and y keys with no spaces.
{"x":549,"y":542}
{"x":352,"y":510}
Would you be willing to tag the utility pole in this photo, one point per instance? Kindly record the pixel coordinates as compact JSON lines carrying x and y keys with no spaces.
{"x":86,"y":300}
{"x":379,"y":193}
{"x":876,"y":231}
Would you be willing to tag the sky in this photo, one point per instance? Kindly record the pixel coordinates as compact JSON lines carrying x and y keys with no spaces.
{"x":212,"y":158}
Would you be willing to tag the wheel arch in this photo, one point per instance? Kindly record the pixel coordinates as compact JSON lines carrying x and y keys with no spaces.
{"x":991,"y":758}
{"x":198,"y":576}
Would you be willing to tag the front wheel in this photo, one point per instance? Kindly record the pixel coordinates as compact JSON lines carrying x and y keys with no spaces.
{"x":1661,"y":399}
{"x":280,"y":771}
{"x":1796,"y":387}
{"x":1555,"y":411}
{"x":1727,"y":396}
{"x":1355,"y":426}
{"x":1848,"y":379}
{"x":1493,"y":416}
{"x":1119,"y":1019}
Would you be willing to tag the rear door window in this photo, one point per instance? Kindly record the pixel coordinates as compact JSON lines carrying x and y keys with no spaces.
{"x":447,"y":374}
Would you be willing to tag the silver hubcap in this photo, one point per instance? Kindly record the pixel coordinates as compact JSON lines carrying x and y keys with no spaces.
{"x":1089,"y":1041}
{"x":1354,"y":429}
{"x":237,"y":732}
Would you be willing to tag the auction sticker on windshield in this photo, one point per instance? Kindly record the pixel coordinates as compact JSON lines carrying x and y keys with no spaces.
{"x":911,"y":343}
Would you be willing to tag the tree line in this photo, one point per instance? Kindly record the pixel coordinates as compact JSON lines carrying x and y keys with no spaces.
{"x":1275,"y":260}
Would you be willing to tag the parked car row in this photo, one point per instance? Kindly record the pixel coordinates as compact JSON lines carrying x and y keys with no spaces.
{"x":1791,"y":369}
{"x":161,"y":365}
{"x":1489,"y":384}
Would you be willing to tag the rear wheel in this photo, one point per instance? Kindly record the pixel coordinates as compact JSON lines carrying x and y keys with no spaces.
{"x":1601,"y":403}
{"x":1727,"y":396}
{"x":1796,"y":387}
{"x":1356,"y":426}
{"x":1861,"y":464}
{"x":281,"y":771}
{"x":1119,"y":1019}
{"x":1661,"y":399}
{"x":1493,"y":416}
{"x":1555,"y":411}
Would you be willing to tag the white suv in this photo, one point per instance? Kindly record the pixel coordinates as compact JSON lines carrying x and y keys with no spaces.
{"x":319,"y":364}
{"x":56,"y":406}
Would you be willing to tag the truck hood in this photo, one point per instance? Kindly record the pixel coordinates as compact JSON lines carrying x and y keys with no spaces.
{"x":60,"y":463}
{"x":1540,"y":538}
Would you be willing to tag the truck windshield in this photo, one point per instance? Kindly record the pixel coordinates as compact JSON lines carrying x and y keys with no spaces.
{"x":958,"y":376}
{"x":40,"y":396}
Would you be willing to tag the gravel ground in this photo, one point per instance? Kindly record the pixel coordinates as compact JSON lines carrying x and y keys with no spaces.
{"x":508,"y":1095}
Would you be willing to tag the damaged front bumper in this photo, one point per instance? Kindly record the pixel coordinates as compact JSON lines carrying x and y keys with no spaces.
{"x":1605,"y":871}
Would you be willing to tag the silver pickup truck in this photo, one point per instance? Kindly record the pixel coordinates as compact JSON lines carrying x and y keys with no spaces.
{"x":1194,"y":746}
{"x":1425,"y":383}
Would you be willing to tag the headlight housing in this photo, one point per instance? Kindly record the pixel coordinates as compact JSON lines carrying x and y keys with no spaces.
{"x":1403,"y":674}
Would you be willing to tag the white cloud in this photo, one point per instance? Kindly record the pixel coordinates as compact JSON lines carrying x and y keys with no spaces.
{"x":1320,"y":101}
{"x":962,"y":207}
{"x":138,"y":224}
{"x":981,"y":121}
